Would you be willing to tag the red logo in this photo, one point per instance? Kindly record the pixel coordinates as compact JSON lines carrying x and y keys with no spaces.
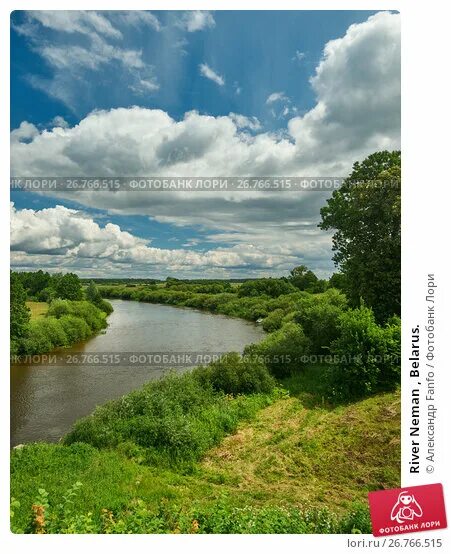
{"x":407,"y":510}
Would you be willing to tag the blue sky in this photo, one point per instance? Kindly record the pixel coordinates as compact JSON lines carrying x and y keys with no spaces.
{"x":85,"y":87}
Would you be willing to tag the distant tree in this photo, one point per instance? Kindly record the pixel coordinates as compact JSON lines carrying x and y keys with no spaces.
{"x":19,"y":312}
{"x":68,"y":286}
{"x":37,"y":281}
{"x":303,"y":278}
{"x":269,"y":287}
{"x":366,"y":216}
{"x":93,"y":294}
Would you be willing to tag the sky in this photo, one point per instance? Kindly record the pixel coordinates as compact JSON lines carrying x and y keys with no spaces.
{"x":193,"y":93}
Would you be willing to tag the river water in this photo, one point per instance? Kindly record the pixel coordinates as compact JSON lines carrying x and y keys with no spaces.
{"x":47,"y":397}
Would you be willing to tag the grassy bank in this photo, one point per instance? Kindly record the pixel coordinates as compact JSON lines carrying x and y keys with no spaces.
{"x":37,"y":309}
{"x":272,"y":462}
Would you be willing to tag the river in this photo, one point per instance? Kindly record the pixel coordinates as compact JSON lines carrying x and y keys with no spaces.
{"x":47,"y":398}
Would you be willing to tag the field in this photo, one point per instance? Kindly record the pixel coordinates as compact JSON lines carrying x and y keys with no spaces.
{"x":297,"y":455}
{"x":38,"y":309}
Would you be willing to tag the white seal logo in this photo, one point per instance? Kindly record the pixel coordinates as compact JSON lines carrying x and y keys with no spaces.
{"x":406,"y":508}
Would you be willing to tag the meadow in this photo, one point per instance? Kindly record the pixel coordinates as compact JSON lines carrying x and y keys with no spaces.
{"x":280,"y":439}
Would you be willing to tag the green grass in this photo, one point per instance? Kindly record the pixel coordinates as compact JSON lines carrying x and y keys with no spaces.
{"x":38,"y":309}
{"x":297,"y":465}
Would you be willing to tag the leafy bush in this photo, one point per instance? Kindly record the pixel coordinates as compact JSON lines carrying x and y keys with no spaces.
{"x":66,"y":322}
{"x":37,"y":340}
{"x":282,"y":351}
{"x":320,"y":320}
{"x":93,"y":316}
{"x":76,"y":328}
{"x":274,"y":320}
{"x":233,"y":374}
{"x":368,"y":354}
{"x":176,"y":419}
{"x":268,"y":287}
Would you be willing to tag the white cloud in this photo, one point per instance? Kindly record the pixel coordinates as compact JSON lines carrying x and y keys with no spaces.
{"x":73,"y":21}
{"x":244,"y":122}
{"x":276,"y":97}
{"x":138,"y":18}
{"x":197,"y":21}
{"x":357,"y":87}
{"x":209,"y":73}
{"x":299,"y":56}
{"x":59,"y":121}
{"x":68,"y":234}
{"x":97,"y":46}
{"x":26,"y":131}
{"x":357,"y":84}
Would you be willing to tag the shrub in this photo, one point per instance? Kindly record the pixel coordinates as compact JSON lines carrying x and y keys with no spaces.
{"x":368,"y":355}
{"x":37,"y":340}
{"x":282,"y":351}
{"x":268,"y":287}
{"x":76,"y":328}
{"x":233,"y":374}
{"x":320,"y":320}
{"x":175,"y":419}
{"x":93,"y":316}
{"x":274,"y":320}
{"x":66,"y":322}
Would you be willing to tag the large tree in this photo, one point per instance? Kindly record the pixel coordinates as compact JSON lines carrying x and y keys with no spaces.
{"x":366,"y":216}
{"x":19,"y":312}
{"x":303,"y":278}
{"x":68,"y":286}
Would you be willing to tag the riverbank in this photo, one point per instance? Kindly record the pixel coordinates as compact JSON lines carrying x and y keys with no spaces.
{"x":293,"y":463}
{"x":60,"y":324}
{"x":49,"y":395}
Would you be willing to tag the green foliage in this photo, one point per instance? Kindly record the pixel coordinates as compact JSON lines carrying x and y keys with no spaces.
{"x":282,"y":351}
{"x":303,"y":278}
{"x":320,"y":320}
{"x":46,"y":295}
{"x":68,"y":286}
{"x":93,"y":316}
{"x":269,"y":287}
{"x":233,"y":374}
{"x":176,"y":419}
{"x":93,"y":295}
{"x":338,"y":281}
{"x":366,"y":216}
{"x":307,"y":449}
{"x":274,"y":320}
{"x":222,"y":517}
{"x":19,"y":313}
{"x":368,"y":354}
{"x":66,"y":322}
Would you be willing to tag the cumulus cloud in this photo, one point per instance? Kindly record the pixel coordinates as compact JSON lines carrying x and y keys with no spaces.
{"x":59,"y":121}
{"x":357,"y":84}
{"x":209,"y":73}
{"x":69,"y":234}
{"x":357,"y":111}
{"x":197,"y":21}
